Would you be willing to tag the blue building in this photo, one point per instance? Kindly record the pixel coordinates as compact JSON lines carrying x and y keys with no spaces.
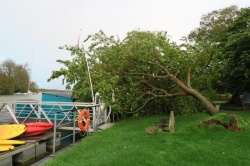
{"x":25,"y":106}
{"x":57,"y":97}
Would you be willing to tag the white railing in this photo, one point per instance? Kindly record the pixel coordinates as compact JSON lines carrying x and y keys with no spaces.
{"x":27,"y":111}
{"x":64,"y":115}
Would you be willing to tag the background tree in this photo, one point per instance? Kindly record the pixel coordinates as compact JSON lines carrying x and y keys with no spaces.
{"x":14,"y":78}
{"x":21,"y":78}
{"x":222,"y":39}
{"x":234,"y":55}
{"x":8,"y":69}
{"x":205,"y":40}
{"x":34,"y":87}
{"x":4,"y":85}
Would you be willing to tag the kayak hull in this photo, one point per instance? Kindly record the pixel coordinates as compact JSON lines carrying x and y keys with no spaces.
{"x":36,"y":128}
{"x":11,"y":131}
{"x":6,"y":148}
{"x":11,"y":142}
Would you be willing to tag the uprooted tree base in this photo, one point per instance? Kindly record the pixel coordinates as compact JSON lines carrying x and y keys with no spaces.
{"x":231,"y":125}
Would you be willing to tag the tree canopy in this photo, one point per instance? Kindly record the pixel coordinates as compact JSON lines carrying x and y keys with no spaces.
{"x":15,"y":78}
{"x":234,"y":52}
{"x":223,"y":38}
{"x":142,"y":70}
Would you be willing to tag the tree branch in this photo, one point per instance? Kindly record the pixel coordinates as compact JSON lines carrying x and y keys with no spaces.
{"x":188,"y":78}
{"x":149,"y":75}
{"x":142,"y":106}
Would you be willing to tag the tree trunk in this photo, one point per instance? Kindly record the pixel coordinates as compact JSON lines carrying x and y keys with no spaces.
{"x":210,"y":107}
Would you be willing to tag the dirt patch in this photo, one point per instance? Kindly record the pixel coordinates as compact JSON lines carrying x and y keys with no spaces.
{"x":232,"y":125}
{"x":163,"y":125}
{"x":152,"y":129}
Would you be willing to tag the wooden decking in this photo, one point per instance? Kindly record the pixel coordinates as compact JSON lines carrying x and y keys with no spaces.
{"x":5,"y":117}
{"x":33,"y":148}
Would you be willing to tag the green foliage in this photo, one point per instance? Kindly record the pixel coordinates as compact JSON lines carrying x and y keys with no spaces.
{"x":5,"y":87}
{"x":188,"y":105}
{"x":75,"y":73}
{"x":135,"y":70}
{"x":15,"y":78}
{"x":21,"y":78}
{"x":234,"y":52}
{"x":221,"y":42}
{"x":203,"y":43}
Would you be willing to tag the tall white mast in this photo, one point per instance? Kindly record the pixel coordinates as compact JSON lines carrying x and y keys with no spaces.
{"x":86,"y":59}
{"x":90,"y":81}
{"x":30,"y":72}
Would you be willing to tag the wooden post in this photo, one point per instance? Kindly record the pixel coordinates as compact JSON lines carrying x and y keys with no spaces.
{"x":217,"y":106}
{"x":171,"y":122}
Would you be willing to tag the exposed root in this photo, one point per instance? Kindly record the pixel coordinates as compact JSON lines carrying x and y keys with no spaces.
{"x":231,"y":125}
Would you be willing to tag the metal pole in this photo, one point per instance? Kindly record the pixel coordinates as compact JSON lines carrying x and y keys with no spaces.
{"x":54,"y":136}
{"x":90,"y":81}
{"x":74,"y":130}
{"x":30,"y":73}
{"x":11,"y":113}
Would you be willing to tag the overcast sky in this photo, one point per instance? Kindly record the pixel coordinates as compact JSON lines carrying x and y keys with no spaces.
{"x":32,"y":30}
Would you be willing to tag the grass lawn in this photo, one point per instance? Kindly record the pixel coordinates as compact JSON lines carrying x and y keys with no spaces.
{"x":128,"y":143}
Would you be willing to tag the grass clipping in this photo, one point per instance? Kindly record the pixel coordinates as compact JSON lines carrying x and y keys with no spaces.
{"x":228,"y":121}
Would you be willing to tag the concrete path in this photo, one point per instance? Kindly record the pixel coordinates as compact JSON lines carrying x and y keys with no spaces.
{"x":105,"y":125}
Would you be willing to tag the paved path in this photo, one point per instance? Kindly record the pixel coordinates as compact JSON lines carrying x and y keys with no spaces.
{"x":106,"y":125}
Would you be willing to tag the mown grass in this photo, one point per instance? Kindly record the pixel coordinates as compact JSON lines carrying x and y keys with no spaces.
{"x":127,"y":143}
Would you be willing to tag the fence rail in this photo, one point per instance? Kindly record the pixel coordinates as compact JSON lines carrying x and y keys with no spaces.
{"x":64,"y":115}
{"x":26,"y":111}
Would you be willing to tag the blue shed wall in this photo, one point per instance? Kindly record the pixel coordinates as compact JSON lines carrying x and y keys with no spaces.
{"x":23,"y":110}
{"x":56,"y":98}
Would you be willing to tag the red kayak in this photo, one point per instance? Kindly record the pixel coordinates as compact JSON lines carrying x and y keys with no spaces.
{"x":36,"y":128}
